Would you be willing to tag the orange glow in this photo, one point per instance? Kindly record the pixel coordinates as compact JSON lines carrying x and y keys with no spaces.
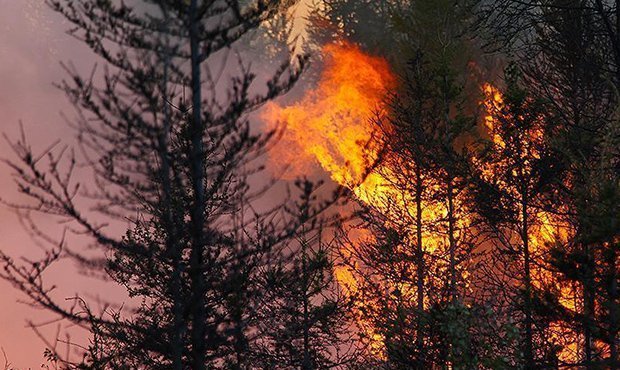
{"x":334,"y":125}
{"x":331,"y":124}
{"x":545,"y":230}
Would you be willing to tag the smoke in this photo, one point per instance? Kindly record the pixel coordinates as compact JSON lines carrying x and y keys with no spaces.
{"x":32,"y":43}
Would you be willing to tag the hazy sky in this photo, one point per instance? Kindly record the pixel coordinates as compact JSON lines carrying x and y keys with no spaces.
{"x":32,"y":43}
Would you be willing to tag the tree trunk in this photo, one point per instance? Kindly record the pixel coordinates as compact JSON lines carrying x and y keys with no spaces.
{"x":420,"y":270}
{"x":527,"y":308}
{"x":616,"y":41}
{"x":588,"y":307}
{"x":450,"y":195}
{"x":196,"y":157}
{"x":613,"y":309}
{"x":306,"y":365}
{"x":452,"y":241}
{"x":172,"y":245}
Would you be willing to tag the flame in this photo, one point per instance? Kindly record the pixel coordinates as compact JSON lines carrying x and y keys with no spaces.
{"x":546,"y":229}
{"x":334,"y":125}
{"x":331,"y":124}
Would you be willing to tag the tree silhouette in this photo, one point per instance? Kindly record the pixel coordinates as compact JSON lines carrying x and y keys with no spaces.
{"x":180,"y":170}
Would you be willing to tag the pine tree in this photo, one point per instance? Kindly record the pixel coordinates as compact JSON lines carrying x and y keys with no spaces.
{"x":307,"y":323}
{"x":569,"y":55}
{"x":518,"y":170}
{"x":179,"y":170}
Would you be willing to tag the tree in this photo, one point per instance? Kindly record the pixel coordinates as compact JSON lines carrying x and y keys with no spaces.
{"x":568,"y":52}
{"x":589,"y":259}
{"x":306,"y":315}
{"x":366,"y":23}
{"x":408,"y":295}
{"x":180,"y":171}
{"x":518,"y":170}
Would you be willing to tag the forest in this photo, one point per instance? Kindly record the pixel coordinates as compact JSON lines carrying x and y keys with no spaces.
{"x":330,"y":184}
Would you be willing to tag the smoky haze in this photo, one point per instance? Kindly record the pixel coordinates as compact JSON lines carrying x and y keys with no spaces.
{"x":33,"y":42}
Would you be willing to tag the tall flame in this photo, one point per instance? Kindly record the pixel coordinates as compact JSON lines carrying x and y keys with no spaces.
{"x":547,"y":228}
{"x":331,"y":124}
{"x":334,"y":125}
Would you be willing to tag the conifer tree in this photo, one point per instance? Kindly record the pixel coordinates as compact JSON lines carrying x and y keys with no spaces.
{"x":518,"y":170}
{"x":306,"y":315}
{"x":183,"y":172}
{"x":569,"y":55}
{"x":411,"y":287}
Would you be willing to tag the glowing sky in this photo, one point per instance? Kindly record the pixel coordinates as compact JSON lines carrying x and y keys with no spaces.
{"x":32,"y":43}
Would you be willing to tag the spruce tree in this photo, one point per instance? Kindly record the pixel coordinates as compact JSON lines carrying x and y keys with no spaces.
{"x":184,"y":172}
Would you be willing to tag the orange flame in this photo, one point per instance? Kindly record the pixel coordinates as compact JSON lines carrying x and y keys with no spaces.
{"x":332,"y":125}
{"x":547,"y":228}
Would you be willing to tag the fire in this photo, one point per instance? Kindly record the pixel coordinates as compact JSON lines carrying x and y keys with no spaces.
{"x":334,"y":125}
{"x":331,"y":124}
{"x":546,"y":229}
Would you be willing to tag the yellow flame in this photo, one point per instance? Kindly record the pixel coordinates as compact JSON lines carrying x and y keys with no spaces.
{"x":333,"y":125}
{"x":330,"y":124}
{"x":547,"y":229}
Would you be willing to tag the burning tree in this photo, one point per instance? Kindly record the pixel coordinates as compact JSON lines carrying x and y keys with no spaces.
{"x":569,"y":55}
{"x":402,"y":153}
{"x":497,"y":252}
{"x":518,"y":170}
{"x":518,"y":188}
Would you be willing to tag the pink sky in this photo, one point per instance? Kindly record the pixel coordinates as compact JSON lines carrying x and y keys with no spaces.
{"x":32,"y":44}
